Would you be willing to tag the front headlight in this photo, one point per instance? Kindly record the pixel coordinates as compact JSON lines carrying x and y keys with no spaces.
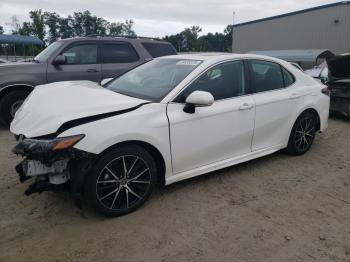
{"x":37,"y":146}
{"x":66,"y":142}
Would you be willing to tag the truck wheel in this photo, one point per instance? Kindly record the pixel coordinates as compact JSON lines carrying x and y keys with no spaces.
{"x":10,"y":103}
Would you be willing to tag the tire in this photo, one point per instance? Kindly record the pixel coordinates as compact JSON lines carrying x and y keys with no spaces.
{"x":10,"y":103}
{"x":303,"y":134}
{"x":114,"y":188}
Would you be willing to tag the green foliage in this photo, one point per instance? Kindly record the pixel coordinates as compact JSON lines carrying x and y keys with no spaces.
{"x":52,"y":21}
{"x":189,"y":40}
{"x":25,"y":29}
{"x":1,"y":30}
{"x":50,"y":26}
{"x":37,"y":25}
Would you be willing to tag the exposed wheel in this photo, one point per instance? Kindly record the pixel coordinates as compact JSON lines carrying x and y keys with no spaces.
{"x":303,"y":134}
{"x":121,"y":181}
{"x":10,"y":103}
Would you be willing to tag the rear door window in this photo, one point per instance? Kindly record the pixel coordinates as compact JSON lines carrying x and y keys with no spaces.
{"x":266,"y":75}
{"x":159,"y":49}
{"x":119,"y":53}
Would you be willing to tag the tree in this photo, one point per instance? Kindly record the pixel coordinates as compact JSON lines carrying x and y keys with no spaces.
{"x":52,"y":21}
{"x":116,"y":28}
{"x":37,"y":24}
{"x":175,"y":40}
{"x":66,"y":29}
{"x":50,"y":26}
{"x":1,"y":30}
{"x":228,"y":37}
{"x":25,"y":29}
{"x":78,"y":24}
{"x":128,"y":28}
{"x":14,"y":24}
{"x":190,"y":35}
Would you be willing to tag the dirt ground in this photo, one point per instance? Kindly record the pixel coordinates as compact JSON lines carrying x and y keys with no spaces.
{"x":277,"y":208}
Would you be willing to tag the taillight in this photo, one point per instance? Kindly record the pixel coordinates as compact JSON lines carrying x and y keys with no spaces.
{"x":326,"y":91}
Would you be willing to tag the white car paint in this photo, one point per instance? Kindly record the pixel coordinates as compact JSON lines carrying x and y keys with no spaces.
{"x":51,"y":105}
{"x":228,"y":132}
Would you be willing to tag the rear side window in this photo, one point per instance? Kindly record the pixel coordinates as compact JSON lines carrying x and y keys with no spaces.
{"x":119,"y":53}
{"x":159,"y":49}
{"x":266,"y":75}
{"x":288,"y":78}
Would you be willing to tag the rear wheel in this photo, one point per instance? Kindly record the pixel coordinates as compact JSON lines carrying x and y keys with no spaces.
{"x":121,"y":181}
{"x":303,"y":134}
{"x":10,"y":103}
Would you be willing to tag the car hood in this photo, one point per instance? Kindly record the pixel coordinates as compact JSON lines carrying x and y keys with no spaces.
{"x":50,"y":106}
{"x":339,"y":66}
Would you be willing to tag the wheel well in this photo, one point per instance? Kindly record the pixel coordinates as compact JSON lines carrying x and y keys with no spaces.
{"x":157,"y":156}
{"x":315,"y":113}
{"x":10,"y":89}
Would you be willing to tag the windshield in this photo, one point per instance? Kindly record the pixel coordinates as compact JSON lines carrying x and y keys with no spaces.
{"x":48,"y":51}
{"x":155,"y":79}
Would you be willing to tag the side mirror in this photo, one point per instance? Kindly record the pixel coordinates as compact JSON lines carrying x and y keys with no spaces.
{"x":323,"y":80}
{"x":196,"y":99}
{"x":105,"y":81}
{"x":60,"y":60}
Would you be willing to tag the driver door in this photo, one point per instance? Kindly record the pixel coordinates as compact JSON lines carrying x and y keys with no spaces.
{"x":217,"y":132}
{"x":82,"y":64}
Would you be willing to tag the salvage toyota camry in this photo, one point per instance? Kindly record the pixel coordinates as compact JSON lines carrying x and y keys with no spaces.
{"x":173,"y":118}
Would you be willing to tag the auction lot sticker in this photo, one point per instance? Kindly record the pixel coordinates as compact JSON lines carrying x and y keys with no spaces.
{"x":189,"y":62}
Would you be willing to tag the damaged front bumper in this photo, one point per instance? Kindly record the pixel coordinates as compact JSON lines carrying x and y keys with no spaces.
{"x":53,"y":164}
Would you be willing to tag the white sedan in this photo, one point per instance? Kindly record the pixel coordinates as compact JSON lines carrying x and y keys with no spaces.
{"x":170,"y":119}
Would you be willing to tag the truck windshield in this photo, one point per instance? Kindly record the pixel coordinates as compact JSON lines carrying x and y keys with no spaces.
{"x":155,"y":79}
{"x":48,"y":51}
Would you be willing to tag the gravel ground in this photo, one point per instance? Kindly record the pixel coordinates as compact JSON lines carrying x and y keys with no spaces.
{"x":277,"y":208}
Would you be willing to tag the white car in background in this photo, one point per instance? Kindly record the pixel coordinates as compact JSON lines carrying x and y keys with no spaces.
{"x":173,"y":118}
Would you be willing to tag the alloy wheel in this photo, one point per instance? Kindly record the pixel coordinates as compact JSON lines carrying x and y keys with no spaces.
{"x":123,"y":182}
{"x":305,"y":134}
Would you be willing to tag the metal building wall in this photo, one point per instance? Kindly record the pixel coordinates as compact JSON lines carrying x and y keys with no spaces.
{"x":316,"y":29}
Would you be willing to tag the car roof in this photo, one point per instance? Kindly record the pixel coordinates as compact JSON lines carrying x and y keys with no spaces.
{"x":116,"y":38}
{"x":217,"y":57}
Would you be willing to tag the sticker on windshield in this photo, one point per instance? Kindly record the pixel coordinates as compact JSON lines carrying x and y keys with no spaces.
{"x":188,"y":62}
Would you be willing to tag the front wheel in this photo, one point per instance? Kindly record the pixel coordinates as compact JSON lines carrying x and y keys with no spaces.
{"x":121,"y":181}
{"x":10,"y":103}
{"x":303,"y":134}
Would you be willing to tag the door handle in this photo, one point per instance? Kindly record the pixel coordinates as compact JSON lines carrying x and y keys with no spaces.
{"x":246,"y":106}
{"x":294,"y":96}
{"x":92,"y":70}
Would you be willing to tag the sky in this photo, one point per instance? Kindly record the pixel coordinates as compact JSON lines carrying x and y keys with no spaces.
{"x":157,"y":18}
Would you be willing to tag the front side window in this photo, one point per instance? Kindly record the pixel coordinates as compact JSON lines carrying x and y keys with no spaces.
{"x":48,"y":51}
{"x":222,"y":81}
{"x":266,"y":75}
{"x":81,"y":54}
{"x":119,"y":53}
{"x":155,"y":79}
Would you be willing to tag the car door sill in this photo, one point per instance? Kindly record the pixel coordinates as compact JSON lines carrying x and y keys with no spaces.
{"x":221,"y":164}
